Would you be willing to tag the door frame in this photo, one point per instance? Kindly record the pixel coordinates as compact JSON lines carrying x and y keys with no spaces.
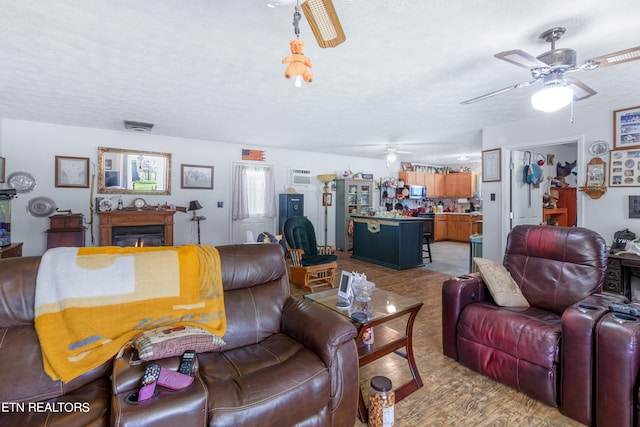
{"x":579,"y":140}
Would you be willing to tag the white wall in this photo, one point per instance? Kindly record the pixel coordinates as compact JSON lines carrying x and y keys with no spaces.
{"x":31,"y":147}
{"x":605,"y":215}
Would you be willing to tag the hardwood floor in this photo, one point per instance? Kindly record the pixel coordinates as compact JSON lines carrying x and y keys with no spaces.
{"x":452,"y":395}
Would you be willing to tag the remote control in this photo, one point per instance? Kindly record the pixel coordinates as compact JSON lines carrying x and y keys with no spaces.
{"x":186,"y":364}
{"x":631,"y":309}
{"x":148,"y":383}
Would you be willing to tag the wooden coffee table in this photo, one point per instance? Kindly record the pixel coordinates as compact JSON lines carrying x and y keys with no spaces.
{"x":385,"y":306}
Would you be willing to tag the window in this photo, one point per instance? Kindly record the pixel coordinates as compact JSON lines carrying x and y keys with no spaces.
{"x":254,"y":191}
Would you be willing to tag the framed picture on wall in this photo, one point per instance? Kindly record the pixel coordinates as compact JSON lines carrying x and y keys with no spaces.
{"x":634,"y":206}
{"x":626,"y":128}
{"x":624,"y":168}
{"x":196,"y":176}
{"x":3,"y":162}
{"x":491,"y":165}
{"x":72,"y":172}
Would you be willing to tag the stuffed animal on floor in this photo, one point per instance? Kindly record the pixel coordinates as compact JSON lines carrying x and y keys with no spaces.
{"x":298,"y":63}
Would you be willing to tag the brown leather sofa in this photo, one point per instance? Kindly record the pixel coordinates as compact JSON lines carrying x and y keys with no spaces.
{"x":286,"y":361}
{"x":546,"y":350}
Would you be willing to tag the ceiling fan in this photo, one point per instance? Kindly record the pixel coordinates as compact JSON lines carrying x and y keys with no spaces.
{"x":391,"y":150}
{"x":550,"y":68}
{"x":324,"y":22}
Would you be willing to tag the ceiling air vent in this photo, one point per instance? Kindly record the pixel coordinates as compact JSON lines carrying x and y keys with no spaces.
{"x":138,"y":126}
{"x":299,"y":177}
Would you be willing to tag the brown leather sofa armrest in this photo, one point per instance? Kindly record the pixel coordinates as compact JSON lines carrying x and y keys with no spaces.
{"x":316,"y":327}
{"x":332,"y":337}
{"x":458,"y":292}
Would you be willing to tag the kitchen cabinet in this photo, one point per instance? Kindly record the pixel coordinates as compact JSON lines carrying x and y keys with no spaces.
{"x":450,"y":186}
{"x":411,"y":177}
{"x":353,"y":197}
{"x":447,"y":186}
{"x":457,"y":227}
{"x":440,"y":225}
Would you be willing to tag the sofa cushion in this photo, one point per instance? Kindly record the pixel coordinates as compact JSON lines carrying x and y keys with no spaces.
{"x":526,"y":334}
{"x":251,"y":385}
{"x":504,"y":290}
{"x":30,"y":383}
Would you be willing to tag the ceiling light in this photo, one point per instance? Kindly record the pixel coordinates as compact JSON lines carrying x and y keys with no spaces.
{"x":552,"y":98}
{"x":391,"y":157}
{"x":463,"y":158}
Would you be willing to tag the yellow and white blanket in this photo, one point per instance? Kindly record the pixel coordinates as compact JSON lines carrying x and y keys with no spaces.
{"x":89,"y":302}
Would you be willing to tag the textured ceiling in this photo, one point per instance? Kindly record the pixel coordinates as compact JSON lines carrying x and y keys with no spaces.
{"x":211,"y":69}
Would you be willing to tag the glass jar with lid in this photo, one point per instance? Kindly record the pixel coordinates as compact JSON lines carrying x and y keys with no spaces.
{"x":381,"y":402}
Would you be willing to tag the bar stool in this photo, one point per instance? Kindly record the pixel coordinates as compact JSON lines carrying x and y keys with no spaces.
{"x":426,"y":237}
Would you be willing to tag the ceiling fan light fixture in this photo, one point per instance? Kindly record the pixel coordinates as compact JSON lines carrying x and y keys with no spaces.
{"x":391,"y":157}
{"x":551,"y":98}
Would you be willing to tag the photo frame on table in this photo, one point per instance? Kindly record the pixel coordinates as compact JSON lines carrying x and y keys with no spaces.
{"x":344,"y":290}
{"x":626,"y":128}
{"x":72,"y":172}
{"x":3,"y":163}
{"x":491,"y":165}
{"x":196,"y":176}
{"x":624,"y":168}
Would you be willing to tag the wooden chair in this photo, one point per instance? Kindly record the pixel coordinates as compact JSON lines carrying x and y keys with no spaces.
{"x":312,"y":266}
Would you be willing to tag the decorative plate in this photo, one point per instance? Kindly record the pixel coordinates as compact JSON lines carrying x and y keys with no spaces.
{"x":22,"y":182}
{"x":106,"y":205}
{"x":599,"y":148}
{"x":139,"y":203}
{"x":41,"y":206}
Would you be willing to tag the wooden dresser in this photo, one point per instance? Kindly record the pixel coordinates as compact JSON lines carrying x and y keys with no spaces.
{"x":66,"y":230}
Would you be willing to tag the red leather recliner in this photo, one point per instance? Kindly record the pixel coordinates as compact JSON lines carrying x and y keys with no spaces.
{"x":546,"y":350}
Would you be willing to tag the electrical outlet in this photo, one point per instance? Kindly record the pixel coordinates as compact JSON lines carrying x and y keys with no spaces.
{"x":220,"y":204}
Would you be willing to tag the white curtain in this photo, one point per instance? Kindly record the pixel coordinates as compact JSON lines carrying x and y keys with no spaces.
{"x":255,"y":191}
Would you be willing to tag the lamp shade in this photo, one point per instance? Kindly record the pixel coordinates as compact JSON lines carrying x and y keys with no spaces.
{"x":194,"y":205}
{"x":552,"y":98}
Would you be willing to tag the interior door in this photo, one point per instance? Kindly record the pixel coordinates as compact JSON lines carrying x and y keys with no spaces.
{"x":526,"y":199}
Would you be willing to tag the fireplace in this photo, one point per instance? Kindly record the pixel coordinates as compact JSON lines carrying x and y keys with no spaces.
{"x":136,"y":228}
{"x":138,"y":235}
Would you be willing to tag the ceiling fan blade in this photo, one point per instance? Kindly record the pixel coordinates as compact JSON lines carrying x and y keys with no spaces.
{"x":324,"y":22}
{"x":580,"y":90}
{"x":499,"y":91}
{"x":520,"y":58}
{"x":627,"y":55}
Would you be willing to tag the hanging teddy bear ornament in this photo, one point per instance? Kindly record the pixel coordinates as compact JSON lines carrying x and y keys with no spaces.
{"x":297,"y":61}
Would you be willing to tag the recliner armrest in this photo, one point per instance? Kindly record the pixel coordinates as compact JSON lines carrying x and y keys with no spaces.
{"x":331,"y":336}
{"x":317,"y":327}
{"x":458,"y":292}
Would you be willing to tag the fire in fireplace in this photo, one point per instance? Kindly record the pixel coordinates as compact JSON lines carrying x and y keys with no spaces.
{"x":138,"y":235}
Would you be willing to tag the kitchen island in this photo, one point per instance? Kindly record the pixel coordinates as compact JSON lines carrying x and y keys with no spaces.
{"x":388,"y":241}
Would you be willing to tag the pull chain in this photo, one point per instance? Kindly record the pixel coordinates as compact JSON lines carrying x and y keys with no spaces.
{"x":296,"y":20}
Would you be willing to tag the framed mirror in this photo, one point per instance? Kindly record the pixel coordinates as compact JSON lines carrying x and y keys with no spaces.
{"x":595,"y":184}
{"x":133,"y":172}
